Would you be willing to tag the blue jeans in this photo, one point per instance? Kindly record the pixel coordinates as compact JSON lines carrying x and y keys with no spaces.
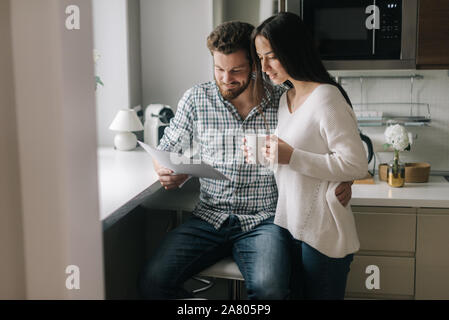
{"x":262,"y":255}
{"x":316,"y":276}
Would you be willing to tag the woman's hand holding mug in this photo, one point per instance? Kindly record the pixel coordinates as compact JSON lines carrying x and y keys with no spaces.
{"x":277,"y":150}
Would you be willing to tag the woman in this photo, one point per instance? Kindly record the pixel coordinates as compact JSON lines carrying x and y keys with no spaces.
{"x":316,"y":147}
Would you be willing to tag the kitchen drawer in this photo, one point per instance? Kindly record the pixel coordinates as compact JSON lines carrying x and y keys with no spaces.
{"x":396,"y":275}
{"x":386,"y":229}
{"x":432,"y":254}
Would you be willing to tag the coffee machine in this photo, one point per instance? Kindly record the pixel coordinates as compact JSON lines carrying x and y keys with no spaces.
{"x":157,"y":118}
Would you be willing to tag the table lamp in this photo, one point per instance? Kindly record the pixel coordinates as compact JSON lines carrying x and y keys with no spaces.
{"x":124,"y":122}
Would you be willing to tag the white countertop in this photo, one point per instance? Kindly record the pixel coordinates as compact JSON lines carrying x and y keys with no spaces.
{"x":125,"y":178}
{"x":434,"y":193}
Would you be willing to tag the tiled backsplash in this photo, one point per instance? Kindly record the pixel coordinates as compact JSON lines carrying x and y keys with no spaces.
{"x":432,"y":143}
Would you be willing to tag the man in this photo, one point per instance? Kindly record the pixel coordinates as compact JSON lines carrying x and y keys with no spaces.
{"x":233,"y":217}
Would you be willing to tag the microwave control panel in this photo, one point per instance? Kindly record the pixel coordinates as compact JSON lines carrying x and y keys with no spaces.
{"x":390,"y":20}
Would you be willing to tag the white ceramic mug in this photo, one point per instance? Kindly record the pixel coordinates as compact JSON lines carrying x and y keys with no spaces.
{"x":255,"y":143}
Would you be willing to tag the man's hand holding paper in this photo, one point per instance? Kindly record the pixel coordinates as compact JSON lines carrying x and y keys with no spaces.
{"x":167,"y":178}
{"x":173,"y":174}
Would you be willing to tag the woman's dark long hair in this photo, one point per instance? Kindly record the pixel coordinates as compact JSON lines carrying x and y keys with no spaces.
{"x":295,"y":49}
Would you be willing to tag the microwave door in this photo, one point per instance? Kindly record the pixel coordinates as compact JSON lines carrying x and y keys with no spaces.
{"x":388,"y":34}
{"x":339,"y":28}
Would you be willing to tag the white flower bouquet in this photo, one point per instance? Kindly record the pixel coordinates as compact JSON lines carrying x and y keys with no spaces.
{"x":397,"y":138}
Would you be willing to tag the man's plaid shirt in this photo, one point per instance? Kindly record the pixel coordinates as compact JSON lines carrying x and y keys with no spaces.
{"x":205,"y":120}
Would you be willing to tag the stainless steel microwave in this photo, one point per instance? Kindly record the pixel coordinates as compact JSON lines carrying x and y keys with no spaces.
{"x":362,"y":34}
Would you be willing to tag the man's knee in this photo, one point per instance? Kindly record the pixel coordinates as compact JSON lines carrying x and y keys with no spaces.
{"x":267,"y":289}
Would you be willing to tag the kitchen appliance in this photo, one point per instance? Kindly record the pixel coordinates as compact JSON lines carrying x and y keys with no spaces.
{"x":157,"y":118}
{"x":362,"y":34}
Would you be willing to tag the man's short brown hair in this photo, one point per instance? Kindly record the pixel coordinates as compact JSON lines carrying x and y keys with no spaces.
{"x":230,"y":37}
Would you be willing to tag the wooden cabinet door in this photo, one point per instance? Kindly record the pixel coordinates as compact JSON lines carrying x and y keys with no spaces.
{"x":433,"y":34}
{"x":432,"y":254}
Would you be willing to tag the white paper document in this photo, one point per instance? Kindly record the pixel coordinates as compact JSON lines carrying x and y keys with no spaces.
{"x":182,"y":165}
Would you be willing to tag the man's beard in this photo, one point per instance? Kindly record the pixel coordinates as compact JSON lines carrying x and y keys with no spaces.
{"x":233,"y":93}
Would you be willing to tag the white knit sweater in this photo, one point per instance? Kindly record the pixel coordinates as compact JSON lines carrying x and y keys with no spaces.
{"x":327,"y":151}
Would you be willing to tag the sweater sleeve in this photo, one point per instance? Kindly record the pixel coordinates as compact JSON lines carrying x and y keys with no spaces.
{"x":346,"y":159}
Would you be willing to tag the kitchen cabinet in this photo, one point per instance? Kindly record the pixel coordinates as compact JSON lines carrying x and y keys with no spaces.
{"x":387,"y":241}
{"x":433,"y":35}
{"x":410,"y":248}
{"x":390,"y":230}
{"x":432,"y":254}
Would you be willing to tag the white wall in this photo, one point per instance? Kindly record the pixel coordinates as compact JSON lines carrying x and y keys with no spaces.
{"x":151,"y":52}
{"x":174,"y":52}
{"x":134,"y":52}
{"x":432,"y":144}
{"x":111,"y":41}
{"x":55,"y":112}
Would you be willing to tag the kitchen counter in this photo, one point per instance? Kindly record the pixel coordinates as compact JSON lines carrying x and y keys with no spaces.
{"x":433,"y":194}
{"x":125,"y":180}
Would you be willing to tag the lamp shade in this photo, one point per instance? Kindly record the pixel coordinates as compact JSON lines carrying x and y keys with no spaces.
{"x":126,"y":120}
